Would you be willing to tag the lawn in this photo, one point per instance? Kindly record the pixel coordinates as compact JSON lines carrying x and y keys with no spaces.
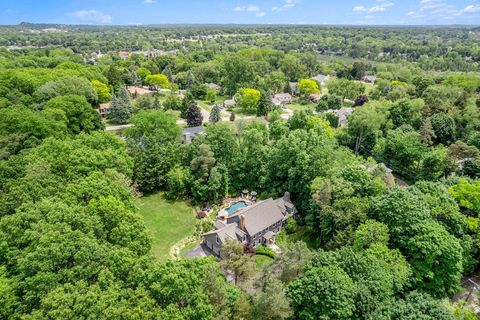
{"x":175,"y":113}
{"x":298,"y":107}
{"x":208,"y":106}
{"x":300,"y":235}
{"x":261,"y":261}
{"x":167,"y":221}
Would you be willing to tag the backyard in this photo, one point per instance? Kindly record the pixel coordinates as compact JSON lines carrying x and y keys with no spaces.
{"x":167,"y":221}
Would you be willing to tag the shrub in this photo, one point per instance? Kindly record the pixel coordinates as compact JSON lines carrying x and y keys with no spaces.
{"x":265,"y":251}
{"x":290,"y":225}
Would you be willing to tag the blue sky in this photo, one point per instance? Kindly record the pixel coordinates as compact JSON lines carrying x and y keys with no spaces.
{"x":365,"y":12}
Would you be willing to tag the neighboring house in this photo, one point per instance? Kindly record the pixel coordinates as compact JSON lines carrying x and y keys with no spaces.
{"x":213,"y":86}
{"x":321,"y":79}
{"x":369,"y":79}
{"x":157,"y":53}
{"x":104,"y":109}
{"x":133,"y":90}
{"x":124,"y":54}
{"x":342,"y":114}
{"x":293,"y":86}
{"x":229,"y":103}
{"x":389,"y":178}
{"x":315,"y":97}
{"x":190,"y":133}
{"x":280,"y":99}
{"x":257,"y":224}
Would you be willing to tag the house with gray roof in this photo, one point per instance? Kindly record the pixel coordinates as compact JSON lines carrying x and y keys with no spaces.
{"x":321,"y":79}
{"x":256,"y":224}
{"x":230,"y":103}
{"x":280,"y":99}
{"x":190,"y":133}
{"x":293,"y":87}
{"x":369,"y":79}
{"x":213,"y":86}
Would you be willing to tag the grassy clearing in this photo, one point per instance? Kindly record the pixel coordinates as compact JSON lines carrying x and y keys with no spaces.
{"x":300,"y":235}
{"x":167,"y":221}
{"x":209,"y":106}
{"x":299,"y":107}
{"x":261,"y":261}
{"x":175,"y":113}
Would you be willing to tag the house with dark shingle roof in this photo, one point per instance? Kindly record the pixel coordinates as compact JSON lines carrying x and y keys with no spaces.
{"x":256,"y":224}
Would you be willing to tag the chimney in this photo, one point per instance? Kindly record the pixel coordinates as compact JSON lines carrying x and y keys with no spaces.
{"x":242,"y":222}
{"x":286,"y":197}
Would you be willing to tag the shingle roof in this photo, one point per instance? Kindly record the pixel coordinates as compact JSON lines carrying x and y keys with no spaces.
{"x":261,"y":215}
{"x":227,"y":233}
{"x":230,"y":102}
{"x":283,"y":95}
{"x":193,"y":130}
{"x":320,"y":78}
{"x":213,"y":86}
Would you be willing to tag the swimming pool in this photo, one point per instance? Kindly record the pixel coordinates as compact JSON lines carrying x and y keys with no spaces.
{"x":234,"y":207}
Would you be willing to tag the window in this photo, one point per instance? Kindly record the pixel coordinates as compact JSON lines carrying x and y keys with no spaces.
{"x":217,"y":239}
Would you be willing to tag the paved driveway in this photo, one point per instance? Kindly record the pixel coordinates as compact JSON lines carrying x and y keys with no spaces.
{"x":199,"y":251}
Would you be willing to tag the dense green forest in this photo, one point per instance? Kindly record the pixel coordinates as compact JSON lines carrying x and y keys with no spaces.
{"x":74,"y":246}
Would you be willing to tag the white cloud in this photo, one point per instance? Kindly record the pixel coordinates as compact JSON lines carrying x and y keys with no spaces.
{"x":92,"y":16}
{"x":376,"y":9}
{"x":380,"y":7}
{"x":359,"y":9}
{"x":250,"y":8}
{"x":415,"y":15}
{"x":149,"y":1}
{"x":442,"y":9}
{"x":471,"y":8}
{"x":287,"y":4}
{"x":436,"y":7}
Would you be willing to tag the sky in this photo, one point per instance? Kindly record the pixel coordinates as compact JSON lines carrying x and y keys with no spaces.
{"x":138,"y":12}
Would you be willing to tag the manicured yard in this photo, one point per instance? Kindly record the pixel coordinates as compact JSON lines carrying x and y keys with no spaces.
{"x":298,"y":107}
{"x":261,"y":261}
{"x":167,"y":221}
{"x":208,"y":106}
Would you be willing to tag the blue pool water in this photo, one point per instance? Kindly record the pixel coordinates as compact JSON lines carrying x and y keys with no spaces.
{"x":234,"y":207}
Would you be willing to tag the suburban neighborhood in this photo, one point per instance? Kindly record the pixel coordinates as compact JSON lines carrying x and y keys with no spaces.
{"x":240,"y":160}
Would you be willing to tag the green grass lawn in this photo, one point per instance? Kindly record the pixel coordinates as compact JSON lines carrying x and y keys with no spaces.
{"x":300,"y":235}
{"x":175,"y":113}
{"x":298,"y":107}
{"x":167,"y":221}
{"x":208,"y":106}
{"x":261,"y":261}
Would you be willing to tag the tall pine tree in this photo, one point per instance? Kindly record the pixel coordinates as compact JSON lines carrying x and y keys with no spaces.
{"x":215,"y":115}
{"x":121,"y":107}
{"x":264,"y":104}
{"x":190,"y":79}
{"x":187,"y":101}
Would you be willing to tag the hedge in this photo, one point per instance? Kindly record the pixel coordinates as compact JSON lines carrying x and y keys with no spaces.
{"x":262,"y":250}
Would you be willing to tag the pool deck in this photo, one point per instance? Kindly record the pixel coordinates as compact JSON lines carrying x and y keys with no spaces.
{"x":223,"y":212}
